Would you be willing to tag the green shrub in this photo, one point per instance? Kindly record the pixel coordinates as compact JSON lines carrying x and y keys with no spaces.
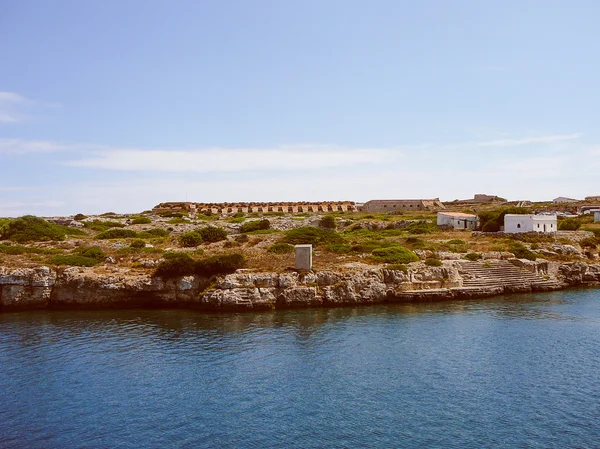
{"x":521,"y":252}
{"x":116,"y":234}
{"x":569,"y":224}
{"x":340,"y":248}
{"x":190,"y":239}
{"x":212,"y":234}
{"x":456,"y":242}
{"x":492,"y":220}
{"x":74,"y":260}
{"x":421,"y":227}
{"x":91,"y":252}
{"x":140,"y":220}
{"x":255,"y":225}
{"x":242,"y":238}
{"x":432,"y":262}
{"x":281,"y":248}
{"x":473,"y":257}
{"x":589,"y":242}
{"x":328,"y":222}
{"x":102,"y":225}
{"x":394,"y":254}
{"x":32,"y":229}
{"x":311,"y":235}
{"x":152,"y":233}
{"x":138,"y":243}
{"x":397,"y":267}
{"x":79,"y":217}
{"x":416,"y":242}
{"x":220,"y":264}
{"x":175,"y":264}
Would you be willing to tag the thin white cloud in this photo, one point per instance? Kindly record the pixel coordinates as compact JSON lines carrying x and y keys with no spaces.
{"x":9,"y":105}
{"x":235,"y":160}
{"x":529,"y":140}
{"x":19,"y":146}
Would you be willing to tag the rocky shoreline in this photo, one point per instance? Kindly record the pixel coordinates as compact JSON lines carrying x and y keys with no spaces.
{"x":46,"y":288}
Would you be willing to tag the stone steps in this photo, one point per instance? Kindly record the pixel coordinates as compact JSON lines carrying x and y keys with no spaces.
{"x":501,"y":274}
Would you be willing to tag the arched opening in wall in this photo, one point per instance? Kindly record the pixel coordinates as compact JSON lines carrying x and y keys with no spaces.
{"x":518,"y":225}
{"x":229,"y":209}
{"x":260,"y":209}
{"x":300,"y":209}
{"x":329,"y":208}
{"x":290,"y":209}
{"x":310,"y":209}
{"x":340,"y":208}
{"x":544,"y":227}
{"x":280,"y":209}
{"x":320,"y":208}
{"x":270,"y":208}
{"x":240,"y":209}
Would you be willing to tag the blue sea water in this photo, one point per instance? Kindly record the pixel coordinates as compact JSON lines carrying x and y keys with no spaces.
{"x":515,"y":371}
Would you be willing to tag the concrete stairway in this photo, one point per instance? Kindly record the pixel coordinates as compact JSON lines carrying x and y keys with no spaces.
{"x":501,"y":273}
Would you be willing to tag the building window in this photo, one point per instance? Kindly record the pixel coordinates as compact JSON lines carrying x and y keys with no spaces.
{"x":538,"y":225}
{"x":518,"y":225}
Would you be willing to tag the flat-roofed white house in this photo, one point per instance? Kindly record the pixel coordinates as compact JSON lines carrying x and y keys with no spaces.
{"x":457,"y":220}
{"x":514,"y":223}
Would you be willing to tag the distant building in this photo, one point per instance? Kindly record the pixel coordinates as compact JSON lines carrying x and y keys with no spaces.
{"x":564,"y":199}
{"x":403,"y":205}
{"x":596,"y":216}
{"x":456,"y":220}
{"x":480,"y":198}
{"x":592,"y":198}
{"x":516,"y":223}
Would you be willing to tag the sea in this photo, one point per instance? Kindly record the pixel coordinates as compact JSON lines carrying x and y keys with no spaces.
{"x":519,"y":371}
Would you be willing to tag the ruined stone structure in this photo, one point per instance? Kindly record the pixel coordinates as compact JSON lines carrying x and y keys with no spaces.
{"x":232,"y":208}
{"x":403,"y":205}
{"x":480,"y":198}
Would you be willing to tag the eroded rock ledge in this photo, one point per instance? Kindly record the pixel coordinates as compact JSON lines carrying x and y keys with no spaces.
{"x":43,"y":287}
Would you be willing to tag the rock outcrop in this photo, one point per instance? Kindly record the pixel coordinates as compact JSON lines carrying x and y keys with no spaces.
{"x":43,"y":287}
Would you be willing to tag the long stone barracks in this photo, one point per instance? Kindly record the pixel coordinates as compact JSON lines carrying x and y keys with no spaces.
{"x":232,"y":208}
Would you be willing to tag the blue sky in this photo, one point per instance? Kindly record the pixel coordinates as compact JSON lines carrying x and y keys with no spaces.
{"x":119,"y":105}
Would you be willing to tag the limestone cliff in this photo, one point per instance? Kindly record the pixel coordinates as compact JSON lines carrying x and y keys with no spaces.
{"x":44,"y":287}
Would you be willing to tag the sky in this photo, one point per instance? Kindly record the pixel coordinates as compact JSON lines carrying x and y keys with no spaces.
{"x":118,"y":105}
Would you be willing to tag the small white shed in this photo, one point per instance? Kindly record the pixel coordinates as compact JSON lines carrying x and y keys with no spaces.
{"x":456,"y":220}
{"x":596,"y":216}
{"x":515,"y":223}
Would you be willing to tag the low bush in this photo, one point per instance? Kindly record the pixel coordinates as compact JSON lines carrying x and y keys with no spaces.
{"x":328,"y":222}
{"x":190,"y":239}
{"x":456,"y":242}
{"x":255,"y":225}
{"x":421,"y":227}
{"x":433,"y":262}
{"x":473,"y":257}
{"x":520,"y":251}
{"x":569,"y":224}
{"x":242,"y":238}
{"x":175,"y":264}
{"x":398,"y":267}
{"x":116,"y":234}
{"x":340,"y":248}
{"x":211,"y":234}
{"x":79,"y":217}
{"x":102,"y":225}
{"x":152,"y":233}
{"x":394,"y":254}
{"x":589,"y":242}
{"x":138,"y":243}
{"x":281,"y":248}
{"x":140,"y":220}
{"x":74,"y":260}
{"x":32,"y":229}
{"x":220,"y":264}
{"x":91,"y":252}
{"x":311,"y":235}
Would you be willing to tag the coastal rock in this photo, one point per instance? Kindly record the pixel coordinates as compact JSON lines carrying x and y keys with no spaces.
{"x":299,"y":297}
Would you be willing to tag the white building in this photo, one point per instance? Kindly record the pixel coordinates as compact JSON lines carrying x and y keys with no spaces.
{"x":596,"y":216}
{"x":457,"y":220}
{"x":514,"y":223}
